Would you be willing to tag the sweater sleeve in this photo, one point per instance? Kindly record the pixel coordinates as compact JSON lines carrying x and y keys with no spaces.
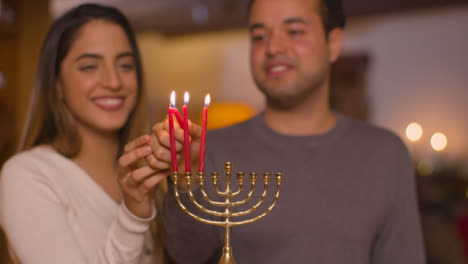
{"x":400,"y":240}
{"x":34,"y":216}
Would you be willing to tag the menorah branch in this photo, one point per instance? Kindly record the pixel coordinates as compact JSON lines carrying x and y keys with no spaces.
{"x":247,"y":198}
{"x":240,"y":180}
{"x":260,"y":216}
{"x":251,"y":210}
{"x":203,"y":209}
{"x":175,"y":178}
{"x":205,"y":196}
{"x":215,"y":178}
{"x":201,"y":181}
{"x":199,"y":206}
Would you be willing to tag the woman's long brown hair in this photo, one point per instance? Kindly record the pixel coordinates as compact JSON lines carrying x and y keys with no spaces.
{"x":48,"y":119}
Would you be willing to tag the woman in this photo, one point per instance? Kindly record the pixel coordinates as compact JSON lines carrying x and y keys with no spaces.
{"x":76,"y":193}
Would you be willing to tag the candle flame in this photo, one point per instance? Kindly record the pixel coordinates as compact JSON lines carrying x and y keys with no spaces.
{"x":207,"y":100}
{"x":173,"y":99}
{"x":186,"y":98}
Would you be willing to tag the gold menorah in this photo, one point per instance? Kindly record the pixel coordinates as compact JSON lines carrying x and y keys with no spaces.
{"x":228,"y":194}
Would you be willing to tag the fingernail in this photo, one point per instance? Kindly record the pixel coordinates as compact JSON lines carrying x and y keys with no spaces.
{"x":148,"y":150}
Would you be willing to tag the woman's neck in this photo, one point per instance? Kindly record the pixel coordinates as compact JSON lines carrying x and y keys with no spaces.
{"x":98,"y":150}
{"x":98,"y":157}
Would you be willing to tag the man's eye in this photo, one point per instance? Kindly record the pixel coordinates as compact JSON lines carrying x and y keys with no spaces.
{"x":256,"y":38}
{"x":294,"y":32}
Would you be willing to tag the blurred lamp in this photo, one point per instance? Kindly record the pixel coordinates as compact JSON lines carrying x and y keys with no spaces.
{"x":222,"y":114}
{"x":414,"y":132}
{"x":438,"y":141}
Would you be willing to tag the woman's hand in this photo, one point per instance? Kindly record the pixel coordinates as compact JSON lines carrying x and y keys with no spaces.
{"x":138,"y":180}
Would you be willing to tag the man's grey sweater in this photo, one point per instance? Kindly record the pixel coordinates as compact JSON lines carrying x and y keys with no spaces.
{"x":348,"y":196}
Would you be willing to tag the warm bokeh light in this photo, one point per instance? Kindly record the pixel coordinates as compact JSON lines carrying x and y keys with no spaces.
{"x":438,"y":141}
{"x":414,"y":132}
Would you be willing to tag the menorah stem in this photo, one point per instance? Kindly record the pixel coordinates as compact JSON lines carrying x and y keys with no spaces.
{"x":227,"y":257}
{"x":228,"y":235}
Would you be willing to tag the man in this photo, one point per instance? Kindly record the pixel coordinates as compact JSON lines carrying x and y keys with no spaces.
{"x":348,"y":191}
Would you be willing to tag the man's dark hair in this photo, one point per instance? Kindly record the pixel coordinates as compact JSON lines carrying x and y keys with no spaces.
{"x":331,"y":11}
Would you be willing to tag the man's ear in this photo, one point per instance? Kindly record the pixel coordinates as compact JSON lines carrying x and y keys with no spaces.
{"x":335,"y":43}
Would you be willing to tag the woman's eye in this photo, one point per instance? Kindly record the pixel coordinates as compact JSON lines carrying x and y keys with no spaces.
{"x":127,"y":66}
{"x":87,"y":68}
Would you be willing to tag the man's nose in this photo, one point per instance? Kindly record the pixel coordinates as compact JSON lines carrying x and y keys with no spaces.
{"x":276,"y":44}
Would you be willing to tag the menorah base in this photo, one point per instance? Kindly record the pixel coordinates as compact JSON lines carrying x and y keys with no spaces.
{"x":227,"y":258}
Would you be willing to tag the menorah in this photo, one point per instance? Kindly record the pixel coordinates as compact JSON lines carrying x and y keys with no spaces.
{"x":227,"y":204}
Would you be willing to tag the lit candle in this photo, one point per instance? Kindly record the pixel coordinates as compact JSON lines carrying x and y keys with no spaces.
{"x":186,"y":134}
{"x":170,"y":111}
{"x":201,"y":164}
{"x":179,"y":118}
{"x":176,"y":112}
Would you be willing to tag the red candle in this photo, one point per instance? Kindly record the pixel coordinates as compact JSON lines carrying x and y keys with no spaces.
{"x":170,"y":111}
{"x":186,"y":134}
{"x":175,"y":111}
{"x":201,"y":164}
{"x":179,"y":118}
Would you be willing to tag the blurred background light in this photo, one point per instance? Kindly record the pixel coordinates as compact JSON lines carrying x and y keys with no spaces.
{"x":438,"y":141}
{"x":414,"y":132}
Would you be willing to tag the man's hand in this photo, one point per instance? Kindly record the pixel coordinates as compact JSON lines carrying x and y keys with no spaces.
{"x":160,"y":144}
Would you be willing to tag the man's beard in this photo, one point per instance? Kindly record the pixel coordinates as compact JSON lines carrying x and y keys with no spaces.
{"x":294,"y":95}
